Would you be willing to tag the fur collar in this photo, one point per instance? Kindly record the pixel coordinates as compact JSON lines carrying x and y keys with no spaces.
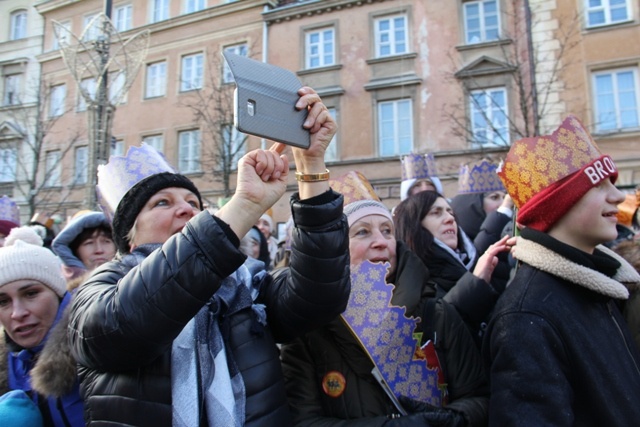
{"x":626,"y":278}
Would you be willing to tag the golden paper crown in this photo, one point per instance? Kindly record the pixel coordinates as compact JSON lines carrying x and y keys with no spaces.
{"x":533,"y":164}
{"x":123,"y":172}
{"x":353,"y":186}
{"x":626,"y":210}
{"x":418,"y":166}
{"x":479,"y":177}
{"x":42,"y":218}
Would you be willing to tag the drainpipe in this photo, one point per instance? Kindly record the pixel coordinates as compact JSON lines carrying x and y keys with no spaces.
{"x":532,"y":70}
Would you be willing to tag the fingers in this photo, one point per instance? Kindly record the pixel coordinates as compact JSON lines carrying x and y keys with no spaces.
{"x":269,"y":164}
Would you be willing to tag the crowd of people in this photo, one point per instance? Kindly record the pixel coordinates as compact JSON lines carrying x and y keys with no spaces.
{"x":515,"y":301}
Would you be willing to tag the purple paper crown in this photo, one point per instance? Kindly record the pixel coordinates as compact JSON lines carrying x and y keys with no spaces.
{"x":418,"y":166}
{"x":9,"y":210}
{"x":479,"y":177}
{"x":123,"y":172}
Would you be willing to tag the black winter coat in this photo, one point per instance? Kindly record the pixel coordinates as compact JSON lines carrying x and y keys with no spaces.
{"x":333,"y":348}
{"x":123,"y":322}
{"x":559,"y":351}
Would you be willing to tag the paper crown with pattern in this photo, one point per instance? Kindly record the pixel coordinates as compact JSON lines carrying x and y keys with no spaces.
{"x":534,"y":164}
{"x":479,"y":177}
{"x":627,"y":210}
{"x":9,"y":215}
{"x":353,"y":186}
{"x":123,"y":172}
{"x":418,"y":166}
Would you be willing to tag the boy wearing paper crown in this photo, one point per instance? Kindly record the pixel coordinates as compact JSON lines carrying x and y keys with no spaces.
{"x":558,"y":348}
{"x":328,"y":372}
{"x":181,"y":329}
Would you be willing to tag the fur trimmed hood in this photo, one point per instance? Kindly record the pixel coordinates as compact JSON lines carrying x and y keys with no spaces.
{"x":626,"y":278}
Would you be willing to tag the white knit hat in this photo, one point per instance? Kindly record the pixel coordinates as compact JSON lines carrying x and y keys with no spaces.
{"x":26,"y":258}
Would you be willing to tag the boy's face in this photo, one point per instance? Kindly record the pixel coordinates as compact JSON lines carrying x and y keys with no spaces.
{"x":592,"y":220}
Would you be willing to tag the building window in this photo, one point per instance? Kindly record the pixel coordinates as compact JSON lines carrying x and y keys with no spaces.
{"x":56,"y":100}
{"x":395,"y":127}
{"x":241,"y":50}
{"x":191,"y":6}
{"x":481,"y":21}
{"x":159,"y":10}
{"x":616,"y":95}
{"x":156,"y":80}
{"x":391,"y":36}
{"x":117,"y":147}
{"x":605,"y":12}
{"x":117,"y":95}
{"x":331,"y":154}
{"x":52,"y":168}
{"x":12,"y":83}
{"x":61,"y":35}
{"x":191,"y":72}
{"x":122,"y":17}
{"x":489,"y":123}
{"x":18,"y":24}
{"x":91,"y":28}
{"x":81,"y":163}
{"x":156,"y":141}
{"x":189,"y":151}
{"x":320,"y":48}
{"x":234,"y":144}
{"x":7,"y":164}
{"x":87,"y":88}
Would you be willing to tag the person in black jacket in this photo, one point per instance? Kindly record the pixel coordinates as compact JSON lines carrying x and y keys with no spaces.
{"x":558,"y":348}
{"x":328,"y":373}
{"x":180,"y":330}
{"x":464,"y":278}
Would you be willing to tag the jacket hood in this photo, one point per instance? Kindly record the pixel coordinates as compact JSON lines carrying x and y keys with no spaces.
{"x":469,"y":212}
{"x":626,"y":278}
{"x":60,"y":244}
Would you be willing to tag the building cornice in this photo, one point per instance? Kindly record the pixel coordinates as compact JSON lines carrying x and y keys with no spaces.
{"x":305,"y":9}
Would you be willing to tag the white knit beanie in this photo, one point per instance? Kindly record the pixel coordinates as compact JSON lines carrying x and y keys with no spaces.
{"x":357,"y":210}
{"x":24,"y":257}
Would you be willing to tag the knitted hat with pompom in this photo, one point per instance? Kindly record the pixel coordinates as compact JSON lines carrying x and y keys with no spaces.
{"x":24,"y":257}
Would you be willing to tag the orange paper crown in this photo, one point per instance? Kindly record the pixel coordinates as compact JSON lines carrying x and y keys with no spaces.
{"x":353,"y":186}
{"x":626,"y":210}
{"x":479,"y":177}
{"x":533,"y":164}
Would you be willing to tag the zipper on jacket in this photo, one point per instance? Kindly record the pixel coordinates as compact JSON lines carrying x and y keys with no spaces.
{"x":635,"y":363}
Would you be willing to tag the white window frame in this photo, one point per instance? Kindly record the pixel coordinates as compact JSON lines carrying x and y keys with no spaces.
{"x":483,"y":17}
{"x":57,"y":99}
{"x":155,"y":141}
{"x":123,"y":17}
{"x":189,"y":151}
{"x":116,"y":85}
{"x":192,"y":72}
{"x":388,"y":38}
{"x":89,"y":85}
{"x":80,"y":165}
{"x":159,"y":10}
{"x":156,"y":83}
{"x":117,"y":147}
{"x":606,"y":10}
{"x":241,"y":49}
{"x":53,"y":168}
{"x":236,"y":141}
{"x":90,"y":32}
{"x":12,"y":89}
{"x":8,"y":163}
{"x":56,"y":43}
{"x":18,"y":25}
{"x":191,"y":6}
{"x":618,"y":108}
{"x":490,"y":112}
{"x":395,"y":131}
{"x":320,"y":53}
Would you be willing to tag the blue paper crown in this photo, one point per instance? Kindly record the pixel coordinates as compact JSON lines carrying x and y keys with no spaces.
{"x":418,"y":166}
{"x":9,"y":210}
{"x":479,"y":177}
{"x":123,"y":172}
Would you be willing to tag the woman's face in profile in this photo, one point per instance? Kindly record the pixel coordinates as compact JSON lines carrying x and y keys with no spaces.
{"x":372,"y":238}
{"x":492,"y":201}
{"x":441,"y":223}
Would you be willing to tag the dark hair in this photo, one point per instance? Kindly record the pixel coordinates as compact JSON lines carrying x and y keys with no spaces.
{"x":407,"y":217}
{"x":86,"y":234}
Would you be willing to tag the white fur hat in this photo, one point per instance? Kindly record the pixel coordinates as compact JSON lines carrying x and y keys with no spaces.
{"x":24,"y":257}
